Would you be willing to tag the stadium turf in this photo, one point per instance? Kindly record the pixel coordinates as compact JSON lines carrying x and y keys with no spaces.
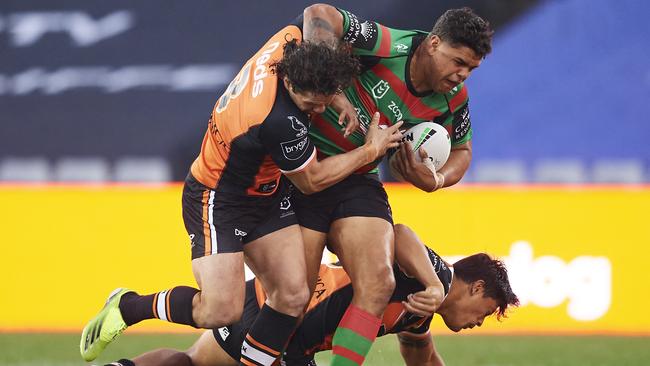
{"x":62,"y":350}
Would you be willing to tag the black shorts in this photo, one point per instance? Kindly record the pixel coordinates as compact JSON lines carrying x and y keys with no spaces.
{"x":356,"y":195}
{"x":220,"y":222}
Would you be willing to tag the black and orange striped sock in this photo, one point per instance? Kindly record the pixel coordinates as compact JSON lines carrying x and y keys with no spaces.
{"x":173,"y":305}
{"x":353,"y":337}
{"x":267,"y":337}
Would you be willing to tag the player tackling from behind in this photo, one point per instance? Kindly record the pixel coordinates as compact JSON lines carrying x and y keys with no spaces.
{"x":474,"y":288}
{"x":235,"y":202}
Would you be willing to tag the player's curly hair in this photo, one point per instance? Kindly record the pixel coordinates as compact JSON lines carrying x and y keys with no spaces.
{"x":463,"y":27}
{"x":317,"y":67}
{"x":494,"y":275}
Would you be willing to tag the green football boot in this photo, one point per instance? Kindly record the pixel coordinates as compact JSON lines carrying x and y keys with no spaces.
{"x":104,"y":327}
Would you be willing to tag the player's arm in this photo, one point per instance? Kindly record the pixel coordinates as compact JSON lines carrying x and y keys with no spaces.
{"x":420,"y":175}
{"x":413,"y":259}
{"x":456,"y":166}
{"x":317,"y":175}
{"x":418,"y":350}
{"x":322,"y":22}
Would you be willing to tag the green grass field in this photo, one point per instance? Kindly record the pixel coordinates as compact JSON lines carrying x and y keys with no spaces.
{"x":62,"y":350}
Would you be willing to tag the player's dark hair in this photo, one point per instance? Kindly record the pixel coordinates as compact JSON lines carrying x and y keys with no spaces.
{"x":317,"y":67}
{"x":494,"y":275}
{"x":462,"y":27}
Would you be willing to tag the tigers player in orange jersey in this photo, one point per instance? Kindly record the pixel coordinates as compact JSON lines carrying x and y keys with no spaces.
{"x":474,"y":288}
{"x":236,"y":203}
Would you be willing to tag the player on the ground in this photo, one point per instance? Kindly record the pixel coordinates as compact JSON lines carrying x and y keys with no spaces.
{"x":406,"y":75}
{"x":475,"y":287}
{"x":235,"y":202}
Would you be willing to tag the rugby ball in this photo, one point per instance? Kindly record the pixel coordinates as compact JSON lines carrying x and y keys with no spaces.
{"x":431,"y":137}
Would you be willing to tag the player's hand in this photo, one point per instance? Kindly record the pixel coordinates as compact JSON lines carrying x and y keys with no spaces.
{"x":425,"y":302}
{"x":379,"y":140}
{"x":347,"y":114}
{"x":419,"y":173}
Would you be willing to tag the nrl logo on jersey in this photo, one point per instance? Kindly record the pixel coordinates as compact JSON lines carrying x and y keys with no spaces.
{"x":380,"y":89}
{"x":401,"y":48}
{"x":298,"y":126}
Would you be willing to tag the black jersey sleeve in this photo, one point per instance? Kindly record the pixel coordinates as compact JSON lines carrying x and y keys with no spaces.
{"x":286,"y":139}
{"x":442,"y":271}
{"x":360,"y":33}
{"x":422,"y":328}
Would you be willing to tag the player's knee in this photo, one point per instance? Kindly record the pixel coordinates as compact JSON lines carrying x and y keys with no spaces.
{"x":219,"y":318}
{"x":400,"y":230}
{"x":378,"y":289}
{"x":290,"y":301}
{"x":214,"y":313}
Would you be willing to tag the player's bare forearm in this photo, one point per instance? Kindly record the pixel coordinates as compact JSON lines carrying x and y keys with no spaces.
{"x":318,"y":175}
{"x":322,"y":23}
{"x":419,"y":352}
{"x":413,"y":259}
{"x":412,"y":256}
{"x":457,"y":164}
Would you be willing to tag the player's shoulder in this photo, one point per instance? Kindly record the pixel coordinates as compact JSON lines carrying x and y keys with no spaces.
{"x":252,"y":94}
{"x":458,"y":96}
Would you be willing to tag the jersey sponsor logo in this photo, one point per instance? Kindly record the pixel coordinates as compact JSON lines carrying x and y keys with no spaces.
{"x":298,"y":126}
{"x":295,"y":149}
{"x":461,"y":123}
{"x":267,"y":187}
{"x":357,"y":29}
{"x":380,"y":89}
{"x":401,"y":48}
{"x":368,"y":30}
{"x":396,"y":111}
{"x":261,"y":69}
{"x":224,"y":332}
{"x":320,"y":289}
{"x":353,"y":30}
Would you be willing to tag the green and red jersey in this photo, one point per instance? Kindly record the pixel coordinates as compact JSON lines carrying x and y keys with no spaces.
{"x":384,"y":86}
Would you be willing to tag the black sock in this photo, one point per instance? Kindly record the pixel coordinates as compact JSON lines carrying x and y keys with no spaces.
{"x":173,"y":305}
{"x":122,"y":362}
{"x":268,"y":336}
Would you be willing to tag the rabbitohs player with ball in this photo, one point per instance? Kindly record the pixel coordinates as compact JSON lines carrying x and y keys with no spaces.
{"x":413,"y":76}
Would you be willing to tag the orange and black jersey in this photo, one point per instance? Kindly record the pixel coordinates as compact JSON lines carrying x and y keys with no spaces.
{"x":331,"y":298}
{"x":255,"y":131}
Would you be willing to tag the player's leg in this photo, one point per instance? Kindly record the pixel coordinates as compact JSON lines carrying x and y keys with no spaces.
{"x":277,"y":259}
{"x":275,"y":253}
{"x":365,"y":247}
{"x":362,"y":236}
{"x":314,"y":243}
{"x":204,"y":352}
{"x":314,"y":216}
{"x":217,"y":266}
